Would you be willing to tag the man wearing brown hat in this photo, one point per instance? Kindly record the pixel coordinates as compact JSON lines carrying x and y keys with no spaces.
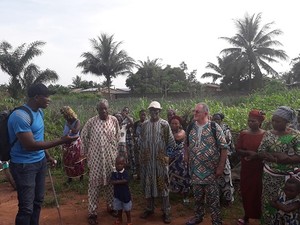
{"x":156,"y":137}
{"x":28,"y":155}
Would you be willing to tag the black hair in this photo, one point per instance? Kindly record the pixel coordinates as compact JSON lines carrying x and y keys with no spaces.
{"x":142,"y":110}
{"x":121,"y":157}
{"x":295,"y":181}
{"x":125,"y":107}
{"x":221,"y":115}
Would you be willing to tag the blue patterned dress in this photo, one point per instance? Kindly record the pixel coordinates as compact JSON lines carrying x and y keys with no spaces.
{"x":284,"y":218}
{"x":178,"y":170}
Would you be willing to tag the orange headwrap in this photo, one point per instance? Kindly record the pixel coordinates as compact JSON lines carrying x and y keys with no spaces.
{"x":258,"y":114}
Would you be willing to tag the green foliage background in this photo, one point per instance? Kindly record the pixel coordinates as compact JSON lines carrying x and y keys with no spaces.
{"x":235,"y":108}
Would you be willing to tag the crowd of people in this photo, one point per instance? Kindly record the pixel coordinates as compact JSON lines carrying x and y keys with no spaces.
{"x":166,"y":157}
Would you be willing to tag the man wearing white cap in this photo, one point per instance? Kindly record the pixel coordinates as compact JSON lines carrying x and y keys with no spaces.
{"x":156,"y":137}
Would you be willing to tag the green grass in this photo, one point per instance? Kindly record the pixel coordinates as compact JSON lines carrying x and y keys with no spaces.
{"x":235,"y":108}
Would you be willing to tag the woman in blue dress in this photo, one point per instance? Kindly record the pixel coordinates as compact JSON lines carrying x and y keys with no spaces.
{"x":178,"y":169}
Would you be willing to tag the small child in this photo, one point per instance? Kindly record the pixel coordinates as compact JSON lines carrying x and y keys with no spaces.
{"x":288,"y":204}
{"x":122,"y":196}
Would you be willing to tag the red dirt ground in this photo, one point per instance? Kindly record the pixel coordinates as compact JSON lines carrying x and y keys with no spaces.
{"x":73,"y":211}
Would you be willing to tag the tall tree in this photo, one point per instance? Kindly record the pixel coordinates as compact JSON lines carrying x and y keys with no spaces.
{"x":218,"y":70}
{"x":230,"y":72}
{"x":76,"y":81}
{"x":106,"y":59}
{"x":252,"y":45}
{"x":151,"y":77}
{"x":16,"y":63}
{"x":145,"y":80}
{"x":295,"y":71}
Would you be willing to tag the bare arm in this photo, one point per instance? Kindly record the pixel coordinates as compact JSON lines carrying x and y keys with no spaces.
{"x":284,"y":158}
{"x":123,"y":181}
{"x":186,"y":153}
{"x":130,"y":122}
{"x":50,"y":159}
{"x":27,"y":141}
{"x":76,"y":129}
{"x":285,"y":208}
{"x":220,"y":168}
{"x":243,"y":153}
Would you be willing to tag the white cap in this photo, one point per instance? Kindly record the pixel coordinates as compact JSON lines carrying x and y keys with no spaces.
{"x":155,"y":105}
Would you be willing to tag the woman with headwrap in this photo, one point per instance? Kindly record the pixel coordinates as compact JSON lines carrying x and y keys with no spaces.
{"x":178,"y":170}
{"x":72,"y":155}
{"x":251,"y":171}
{"x":280,"y":152}
{"x":225,"y":181}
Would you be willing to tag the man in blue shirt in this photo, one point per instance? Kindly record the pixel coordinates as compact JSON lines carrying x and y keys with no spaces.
{"x":28,"y":155}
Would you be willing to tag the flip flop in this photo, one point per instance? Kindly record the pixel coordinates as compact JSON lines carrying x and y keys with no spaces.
{"x":242,"y":222}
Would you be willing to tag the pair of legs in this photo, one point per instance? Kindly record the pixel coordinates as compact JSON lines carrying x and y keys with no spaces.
{"x":211,"y":192}
{"x":93,"y":198}
{"x":30,"y":183}
{"x":120,"y":218}
{"x":70,"y":179}
{"x":166,"y":208}
{"x":119,"y":206}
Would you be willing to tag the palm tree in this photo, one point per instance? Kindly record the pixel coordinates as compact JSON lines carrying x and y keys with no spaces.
{"x":232,"y":73}
{"x":76,"y":82}
{"x":253,"y":46}
{"x":147,"y":77}
{"x":106,"y":60}
{"x":219,"y":70}
{"x":295,"y":71}
{"x":16,"y":63}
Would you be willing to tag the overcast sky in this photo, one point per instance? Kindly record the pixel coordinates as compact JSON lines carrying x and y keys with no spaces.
{"x":171,"y":30}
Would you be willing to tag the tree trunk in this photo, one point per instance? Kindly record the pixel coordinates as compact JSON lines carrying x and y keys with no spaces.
{"x":250,"y":78}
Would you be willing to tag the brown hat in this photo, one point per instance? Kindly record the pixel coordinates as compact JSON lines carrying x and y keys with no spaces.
{"x":38,"y":89}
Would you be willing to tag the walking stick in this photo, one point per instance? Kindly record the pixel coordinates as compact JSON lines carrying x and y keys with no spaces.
{"x":55,"y":196}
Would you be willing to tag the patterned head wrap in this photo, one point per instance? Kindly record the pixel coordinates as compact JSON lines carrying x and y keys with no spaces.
{"x":176,"y":118}
{"x":258,"y":114}
{"x":288,"y":114}
{"x":68,"y":112}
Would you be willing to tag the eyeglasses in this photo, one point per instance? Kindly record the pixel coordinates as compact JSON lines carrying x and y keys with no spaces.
{"x":197,"y":111}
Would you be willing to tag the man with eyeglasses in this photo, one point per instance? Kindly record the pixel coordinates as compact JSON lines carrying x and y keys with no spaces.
{"x":206,"y":153}
{"x":156,"y":137}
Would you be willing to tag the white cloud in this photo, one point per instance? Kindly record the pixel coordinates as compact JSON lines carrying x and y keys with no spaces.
{"x":172,"y":30}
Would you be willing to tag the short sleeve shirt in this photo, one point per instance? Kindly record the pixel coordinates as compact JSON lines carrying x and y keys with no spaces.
{"x":19,"y":122}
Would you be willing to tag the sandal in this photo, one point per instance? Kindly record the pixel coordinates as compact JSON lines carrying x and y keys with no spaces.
{"x":92,"y":219}
{"x":194,"y":221}
{"x":146,"y":214}
{"x":242,"y":222}
{"x":166,"y":218}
